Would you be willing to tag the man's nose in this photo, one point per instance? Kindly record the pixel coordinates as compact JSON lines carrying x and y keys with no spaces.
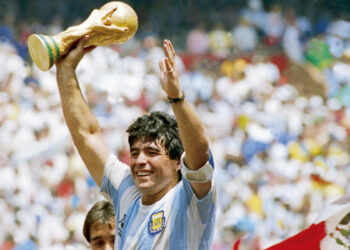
{"x":141,"y":159}
{"x":109,"y":246}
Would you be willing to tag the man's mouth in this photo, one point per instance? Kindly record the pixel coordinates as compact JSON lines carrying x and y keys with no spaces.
{"x":143,"y":173}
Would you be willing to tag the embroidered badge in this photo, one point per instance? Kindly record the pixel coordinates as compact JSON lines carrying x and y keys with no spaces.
{"x":156,"y":222}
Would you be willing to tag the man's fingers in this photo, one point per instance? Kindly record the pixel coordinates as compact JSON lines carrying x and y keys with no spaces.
{"x":166,"y":50}
{"x":165,"y":66}
{"x":162,"y":65}
{"x":89,"y":49}
{"x":169,"y":52}
{"x":82,"y":42}
{"x":171,"y":48}
{"x":169,"y":66}
{"x":78,"y":51}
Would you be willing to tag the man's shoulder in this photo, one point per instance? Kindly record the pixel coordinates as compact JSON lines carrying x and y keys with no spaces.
{"x":116,"y":169}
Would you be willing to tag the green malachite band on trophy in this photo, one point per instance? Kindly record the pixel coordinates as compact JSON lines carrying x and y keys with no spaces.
{"x":48,"y":49}
{"x":56,"y":48}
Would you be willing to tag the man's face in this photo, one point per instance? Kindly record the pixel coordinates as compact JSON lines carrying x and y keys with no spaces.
{"x":102,"y":236}
{"x":153,"y":171}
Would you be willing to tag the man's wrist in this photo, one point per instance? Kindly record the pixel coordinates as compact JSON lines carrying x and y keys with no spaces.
{"x":177,"y":99}
{"x":66,"y":70}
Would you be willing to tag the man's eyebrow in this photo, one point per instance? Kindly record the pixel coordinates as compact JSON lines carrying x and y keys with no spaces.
{"x":148,"y":147}
{"x":153,"y":148}
{"x":96,"y":238}
{"x":134,"y":148}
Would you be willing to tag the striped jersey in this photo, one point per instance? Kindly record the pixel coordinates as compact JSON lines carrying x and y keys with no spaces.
{"x":177,"y":221}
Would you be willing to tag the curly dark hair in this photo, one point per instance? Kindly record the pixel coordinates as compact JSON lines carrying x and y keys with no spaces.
{"x":157,"y":126}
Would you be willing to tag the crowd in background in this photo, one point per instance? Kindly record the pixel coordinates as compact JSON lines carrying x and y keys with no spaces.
{"x":273,"y":92}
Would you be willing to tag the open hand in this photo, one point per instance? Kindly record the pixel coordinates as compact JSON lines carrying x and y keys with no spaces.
{"x":169,"y":78}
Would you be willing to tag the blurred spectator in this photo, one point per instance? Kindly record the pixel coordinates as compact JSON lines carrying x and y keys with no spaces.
{"x":318,"y":53}
{"x":245,"y":36}
{"x":255,"y":14}
{"x":274,"y":25}
{"x":292,"y":38}
{"x":153,"y":53}
{"x":338,"y":37}
{"x":220,"y":41}
{"x":197,"y":41}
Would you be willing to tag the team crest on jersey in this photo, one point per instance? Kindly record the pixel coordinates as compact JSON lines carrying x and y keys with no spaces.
{"x":156,"y":223}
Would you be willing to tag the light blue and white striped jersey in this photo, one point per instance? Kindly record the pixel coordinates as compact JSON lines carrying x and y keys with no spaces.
{"x":178,"y":221}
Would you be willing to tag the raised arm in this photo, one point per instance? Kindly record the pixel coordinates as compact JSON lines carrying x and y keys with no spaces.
{"x":82,"y":124}
{"x":192,"y":132}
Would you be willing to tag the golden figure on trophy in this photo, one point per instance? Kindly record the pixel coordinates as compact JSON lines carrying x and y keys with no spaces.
{"x":113,"y":23}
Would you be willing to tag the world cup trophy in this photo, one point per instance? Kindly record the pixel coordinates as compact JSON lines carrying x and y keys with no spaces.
{"x":113,"y":23}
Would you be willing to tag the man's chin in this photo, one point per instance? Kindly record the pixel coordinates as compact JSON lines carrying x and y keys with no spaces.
{"x":144,"y":186}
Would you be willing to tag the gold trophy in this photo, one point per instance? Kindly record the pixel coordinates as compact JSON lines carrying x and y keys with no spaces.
{"x":113,"y":23}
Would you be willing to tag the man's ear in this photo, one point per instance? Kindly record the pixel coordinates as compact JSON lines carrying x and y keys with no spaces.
{"x":178,"y":165}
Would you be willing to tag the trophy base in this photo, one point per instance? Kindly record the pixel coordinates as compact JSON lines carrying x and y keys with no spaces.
{"x":43,"y":50}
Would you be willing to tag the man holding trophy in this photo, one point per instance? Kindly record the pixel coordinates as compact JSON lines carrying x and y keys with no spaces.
{"x":166,"y":198}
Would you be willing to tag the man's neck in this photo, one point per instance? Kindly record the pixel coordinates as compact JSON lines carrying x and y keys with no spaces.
{"x":150,"y":199}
